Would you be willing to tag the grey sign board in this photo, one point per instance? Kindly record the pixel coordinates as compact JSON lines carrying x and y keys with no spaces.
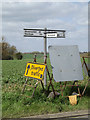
{"x":66,"y":63}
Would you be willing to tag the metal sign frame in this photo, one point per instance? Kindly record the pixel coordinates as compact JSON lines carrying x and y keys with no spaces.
{"x":87,"y":70}
{"x":38,"y":81}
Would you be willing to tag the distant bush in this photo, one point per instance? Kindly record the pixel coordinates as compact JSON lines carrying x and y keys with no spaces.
{"x":35,"y":52}
{"x":19,"y":55}
{"x":7,"y":57}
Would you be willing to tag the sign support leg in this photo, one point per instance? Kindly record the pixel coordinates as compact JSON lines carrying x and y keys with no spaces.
{"x":85,"y":87}
{"x":42,"y":84}
{"x":63,"y":87}
{"x":84,"y":62}
{"x":35,"y":88}
{"x":50,"y":84}
{"x":25,"y":85}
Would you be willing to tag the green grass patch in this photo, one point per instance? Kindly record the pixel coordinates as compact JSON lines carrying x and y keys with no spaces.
{"x":16,"y":105}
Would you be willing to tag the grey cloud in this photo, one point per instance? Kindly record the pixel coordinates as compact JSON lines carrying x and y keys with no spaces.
{"x":36,"y":11}
{"x":69,"y":16}
{"x":45,"y":1}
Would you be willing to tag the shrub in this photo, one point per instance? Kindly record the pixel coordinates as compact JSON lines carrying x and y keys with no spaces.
{"x":19,"y":55}
{"x":7,"y":57}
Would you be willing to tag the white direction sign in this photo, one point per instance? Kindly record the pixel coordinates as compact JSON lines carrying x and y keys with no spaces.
{"x":33,"y":33}
{"x":51,"y":35}
{"x":44,"y":33}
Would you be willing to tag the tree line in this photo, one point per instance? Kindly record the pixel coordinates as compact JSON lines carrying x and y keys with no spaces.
{"x":8,"y":52}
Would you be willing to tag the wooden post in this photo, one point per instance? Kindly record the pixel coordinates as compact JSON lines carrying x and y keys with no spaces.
{"x":45,"y":58}
{"x":35,"y":57}
{"x":42,"y":84}
{"x":35,"y":88}
{"x":85,"y":87}
{"x":85,"y":64}
{"x":24,"y":85}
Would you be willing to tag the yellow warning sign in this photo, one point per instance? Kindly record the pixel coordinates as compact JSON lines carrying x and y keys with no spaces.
{"x":35,"y":70}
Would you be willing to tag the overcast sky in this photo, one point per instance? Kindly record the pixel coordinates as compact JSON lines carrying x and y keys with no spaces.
{"x":70,"y":16}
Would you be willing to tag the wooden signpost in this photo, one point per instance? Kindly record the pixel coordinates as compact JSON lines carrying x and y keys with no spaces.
{"x":45,"y":33}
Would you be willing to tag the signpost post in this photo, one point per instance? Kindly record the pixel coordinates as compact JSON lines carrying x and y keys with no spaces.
{"x":45,"y":33}
{"x":45,"y":58}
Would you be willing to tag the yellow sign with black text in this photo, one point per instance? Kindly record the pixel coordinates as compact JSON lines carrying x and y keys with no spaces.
{"x":35,"y":70}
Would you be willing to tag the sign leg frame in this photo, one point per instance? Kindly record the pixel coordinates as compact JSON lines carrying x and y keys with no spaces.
{"x":50,"y":84}
{"x":84,"y":62}
{"x":25,"y":85}
{"x":35,"y":84}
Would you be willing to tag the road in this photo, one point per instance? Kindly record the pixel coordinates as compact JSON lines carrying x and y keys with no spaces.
{"x":76,"y":115}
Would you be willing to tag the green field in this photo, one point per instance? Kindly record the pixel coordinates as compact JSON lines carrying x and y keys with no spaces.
{"x":15,"y":105}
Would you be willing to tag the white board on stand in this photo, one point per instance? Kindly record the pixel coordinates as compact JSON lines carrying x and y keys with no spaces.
{"x":66,"y":63}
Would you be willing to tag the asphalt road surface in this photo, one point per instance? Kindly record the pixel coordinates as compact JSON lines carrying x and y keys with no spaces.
{"x":85,"y":117}
{"x":76,"y":115}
